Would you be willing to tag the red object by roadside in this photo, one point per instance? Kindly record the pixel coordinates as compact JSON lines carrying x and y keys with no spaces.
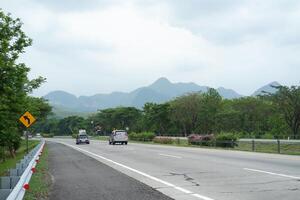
{"x":33,"y":170}
{"x":26,"y":186}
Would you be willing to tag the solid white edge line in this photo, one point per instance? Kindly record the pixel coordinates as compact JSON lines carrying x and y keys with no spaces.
{"x":272,"y":173}
{"x":141,"y":173}
{"x":201,"y":197}
{"x":167,"y":155}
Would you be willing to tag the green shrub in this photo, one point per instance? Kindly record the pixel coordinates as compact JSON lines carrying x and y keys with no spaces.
{"x":47,"y":135}
{"x":74,"y":135}
{"x":226,"y":140}
{"x":267,"y":136}
{"x":144,"y":136}
{"x":163,"y":140}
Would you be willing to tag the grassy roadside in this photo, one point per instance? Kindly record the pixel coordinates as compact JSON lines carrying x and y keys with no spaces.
{"x":105,"y":138}
{"x":260,"y":147}
{"x":40,"y":181}
{"x":11,"y":162}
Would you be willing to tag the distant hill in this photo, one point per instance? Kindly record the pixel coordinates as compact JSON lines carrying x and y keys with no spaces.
{"x":228,"y":93}
{"x":60,"y":112}
{"x":160,"y":91}
{"x":62,"y":98}
{"x":267,"y":88}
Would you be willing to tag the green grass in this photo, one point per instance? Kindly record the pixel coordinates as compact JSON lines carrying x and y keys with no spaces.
{"x":263,"y":147}
{"x":268,"y":147}
{"x":105,"y":138}
{"x":292,"y":149}
{"x":21,"y":152}
{"x":40,"y":181}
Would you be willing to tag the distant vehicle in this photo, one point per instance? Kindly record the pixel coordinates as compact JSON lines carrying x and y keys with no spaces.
{"x":82,"y":137}
{"x":27,"y":134}
{"x":38,"y":135}
{"x":118,"y":136}
{"x":82,"y":132}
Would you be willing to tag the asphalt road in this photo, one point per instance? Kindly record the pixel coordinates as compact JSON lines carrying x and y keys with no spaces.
{"x":197,"y":173}
{"x":77,"y":177}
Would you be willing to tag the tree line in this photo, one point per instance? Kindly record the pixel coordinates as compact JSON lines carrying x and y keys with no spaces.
{"x":15,"y":86}
{"x":267,"y":116}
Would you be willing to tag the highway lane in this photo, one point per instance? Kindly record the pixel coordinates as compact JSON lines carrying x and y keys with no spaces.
{"x":76,"y":176}
{"x":196,"y":173}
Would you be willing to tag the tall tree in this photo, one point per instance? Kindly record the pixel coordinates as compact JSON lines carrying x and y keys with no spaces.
{"x":119,"y":118}
{"x":288,"y":101}
{"x":14,"y":83}
{"x":157,"y":117}
{"x":185,"y":111}
{"x":40,"y":109}
{"x":211,"y":104}
{"x":70,"y":125}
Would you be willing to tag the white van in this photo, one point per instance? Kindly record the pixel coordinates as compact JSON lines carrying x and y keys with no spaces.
{"x":118,"y":136}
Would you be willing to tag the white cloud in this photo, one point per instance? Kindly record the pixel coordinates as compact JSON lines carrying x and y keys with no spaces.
{"x":124,"y":45}
{"x":136,"y":41}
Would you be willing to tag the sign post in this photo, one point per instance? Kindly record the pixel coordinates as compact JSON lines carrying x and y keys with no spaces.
{"x":27,"y":120}
{"x":26,"y":136}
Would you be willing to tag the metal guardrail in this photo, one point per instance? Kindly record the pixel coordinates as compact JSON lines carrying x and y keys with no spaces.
{"x":291,"y":147}
{"x":13,"y":187}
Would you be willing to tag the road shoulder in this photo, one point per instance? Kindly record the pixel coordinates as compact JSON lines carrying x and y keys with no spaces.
{"x":77,"y":176}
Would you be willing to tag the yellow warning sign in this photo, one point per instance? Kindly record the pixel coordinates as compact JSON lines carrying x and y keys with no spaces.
{"x":27,"y":119}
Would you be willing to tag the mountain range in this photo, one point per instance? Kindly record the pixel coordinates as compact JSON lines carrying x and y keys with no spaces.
{"x":160,"y":91}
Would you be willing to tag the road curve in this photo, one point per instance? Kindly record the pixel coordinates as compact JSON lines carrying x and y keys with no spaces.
{"x":197,"y":173}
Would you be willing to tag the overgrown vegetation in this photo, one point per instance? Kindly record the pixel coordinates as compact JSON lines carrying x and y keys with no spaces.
{"x":40,"y":181}
{"x":163,"y":140}
{"x":144,"y":136}
{"x":15,"y":86}
{"x":10,"y":162}
{"x":47,"y":135}
{"x":270,"y":116}
{"x":226,"y":140}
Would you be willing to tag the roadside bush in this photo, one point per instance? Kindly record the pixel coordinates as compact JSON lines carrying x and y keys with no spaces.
{"x":163,"y":140}
{"x":267,"y":136}
{"x":226,"y":140}
{"x":205,"y":140}
{"x":47,"y":135}
{"x":74,"y":135}
{"x":144,"y":136}
{"x":13,"y":142}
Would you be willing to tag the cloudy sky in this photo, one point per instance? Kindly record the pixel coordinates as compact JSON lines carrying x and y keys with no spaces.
{"x":99,"y":46}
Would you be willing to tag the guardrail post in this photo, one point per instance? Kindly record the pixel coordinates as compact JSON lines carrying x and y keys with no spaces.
{"x":24,"y":174}
{"x":253,"y":145}
{"x":278,"y":146}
